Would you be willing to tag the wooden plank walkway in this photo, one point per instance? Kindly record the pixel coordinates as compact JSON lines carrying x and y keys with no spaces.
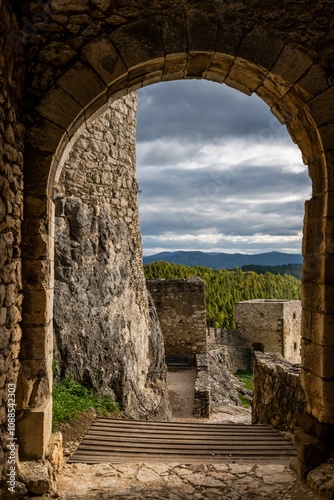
{"x":116,"y":441}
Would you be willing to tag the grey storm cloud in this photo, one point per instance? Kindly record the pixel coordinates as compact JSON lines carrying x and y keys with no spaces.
{"x":237,"y":222}
{"x":201,"y":110}
{"x":215,"y":169}
{"x":241,"y":182}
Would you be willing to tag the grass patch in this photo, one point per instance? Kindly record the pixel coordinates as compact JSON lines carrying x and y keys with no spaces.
{"x":244,"y":401}
{"x":71,"y":398}
{"x":246,"y":378}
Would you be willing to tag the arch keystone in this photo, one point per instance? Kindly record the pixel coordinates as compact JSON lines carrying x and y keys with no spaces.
{"x":198,"y":64}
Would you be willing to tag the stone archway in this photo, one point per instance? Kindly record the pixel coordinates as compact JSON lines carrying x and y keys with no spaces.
{"x":213,"y":41}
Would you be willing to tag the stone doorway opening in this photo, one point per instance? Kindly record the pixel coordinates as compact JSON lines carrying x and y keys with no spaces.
{"x":283,"y":76}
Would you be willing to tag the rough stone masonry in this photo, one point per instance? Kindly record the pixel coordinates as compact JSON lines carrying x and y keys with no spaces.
{"x":11,"y":212}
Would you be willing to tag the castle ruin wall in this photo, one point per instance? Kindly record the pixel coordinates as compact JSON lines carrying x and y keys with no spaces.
{"x":180,"y":305}
{"x":271,"y":325}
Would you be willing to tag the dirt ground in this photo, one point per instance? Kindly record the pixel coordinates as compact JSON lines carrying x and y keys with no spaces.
{"x":181,"y":389}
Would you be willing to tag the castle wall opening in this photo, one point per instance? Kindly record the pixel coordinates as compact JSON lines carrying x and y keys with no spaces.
{"x":79,"y":58}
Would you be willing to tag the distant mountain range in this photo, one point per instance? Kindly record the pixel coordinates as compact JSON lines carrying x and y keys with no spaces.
{"x":217,"y":260}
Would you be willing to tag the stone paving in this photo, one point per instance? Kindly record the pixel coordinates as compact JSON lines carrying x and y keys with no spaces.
{"x":180,"y":482}
{"x":176,"y":481}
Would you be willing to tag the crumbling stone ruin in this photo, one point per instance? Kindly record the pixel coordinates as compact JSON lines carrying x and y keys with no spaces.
{"x":265,"y":325}
{"x":180,"y":305}
{"x":271,"y":325}
{"x":62,"y":61}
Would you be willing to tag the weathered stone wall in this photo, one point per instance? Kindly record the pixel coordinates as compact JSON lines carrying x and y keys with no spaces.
{"x":180,"y":305}
{"x":230,"y":342}
{"x":104,"y":333}
{"x":224,"y":337}
{"x":202,"y":399}
{"x":11,"y":213}
{"x":237,"y":358}
{"x":278,"y":397}
{"x":279,"y":400}
{"x":273,"y":325}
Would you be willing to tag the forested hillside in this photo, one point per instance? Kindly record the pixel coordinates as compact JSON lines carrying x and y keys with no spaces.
{"x":225,"y":288}
{"x":293,"y":269}
{"x":221,"y":260}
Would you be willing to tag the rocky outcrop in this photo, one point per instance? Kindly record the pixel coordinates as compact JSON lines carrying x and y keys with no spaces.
{"x":106,"y":331}
{"x":224,"y":386}
{"x":215,"y":387}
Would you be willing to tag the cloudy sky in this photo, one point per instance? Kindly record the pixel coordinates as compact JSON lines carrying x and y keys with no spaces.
{"x":217,"y":172}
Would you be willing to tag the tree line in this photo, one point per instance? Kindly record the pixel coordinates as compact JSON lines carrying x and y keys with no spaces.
{"x":293,"y":269}
{"x":223,"y":288}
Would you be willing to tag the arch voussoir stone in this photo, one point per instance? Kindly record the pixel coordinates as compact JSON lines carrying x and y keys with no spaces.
{"x":291,"y":64}
{"x":220,"y":67}
{"x":142,"y":71}
{"x":260,"y":48}
{"x":198,"y":64}
{"x":174,"y":67}
{"x":314,"y":82}
{"x":326,"y":133}
{"x":138,"y":42}
{"x":321,"y":113}
{"x":174,"y":33}
{"x":82,"y":83}
{"x":102,"y":56}
{"x":245,"y":76}
{"x":201,"y":31}
{"x":229,"y":36}
{"x":59,"y":107}
{"x":45,"y":135}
